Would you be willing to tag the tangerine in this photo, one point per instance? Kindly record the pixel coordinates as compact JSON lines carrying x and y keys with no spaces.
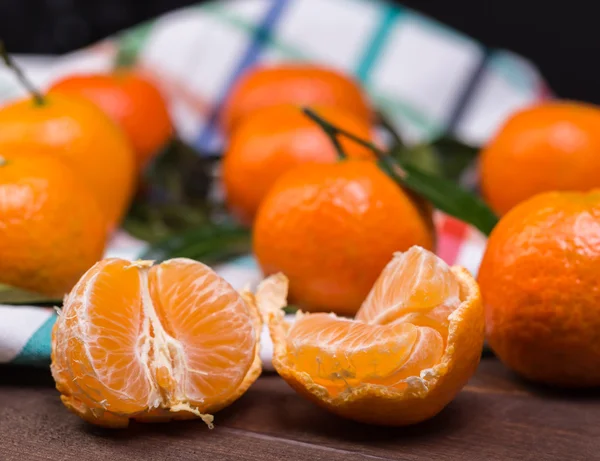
{"x":81,"y":134}
{"x":298,"y":84}
{"x":51,"y":226}
{"x":154,"y":343}
{"x":396,"y":373}
{"x":547,"y":147}
{"x":274,"y":140}
{"x":539,"y":283}
{"x":331,"y":228}
{"x":132,"y":100}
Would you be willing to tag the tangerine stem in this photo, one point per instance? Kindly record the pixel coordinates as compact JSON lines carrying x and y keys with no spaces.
{"x":386,"y":123}
{"x":11,"y":64}
{"x":2,"y":161}
{"x":329,"y":130}
{"x":390,"y":165}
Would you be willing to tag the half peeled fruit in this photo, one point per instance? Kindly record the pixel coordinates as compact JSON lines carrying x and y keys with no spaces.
{"x":414,"y":344}
{"x":154,"y":342}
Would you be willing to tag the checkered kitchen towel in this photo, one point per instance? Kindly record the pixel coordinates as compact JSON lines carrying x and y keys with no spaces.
{"x":427,"y":77}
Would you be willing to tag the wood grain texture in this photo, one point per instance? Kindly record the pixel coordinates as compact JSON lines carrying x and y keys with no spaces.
{"x":496,"y":417}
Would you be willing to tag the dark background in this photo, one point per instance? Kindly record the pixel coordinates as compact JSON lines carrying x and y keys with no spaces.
{"x":561,"y":38}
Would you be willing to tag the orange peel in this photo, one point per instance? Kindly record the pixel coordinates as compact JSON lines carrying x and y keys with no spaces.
{"x":410,"y":400}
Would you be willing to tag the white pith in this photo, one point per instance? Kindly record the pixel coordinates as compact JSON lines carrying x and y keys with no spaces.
{"x":167,"y":353}
{"x":155,"y":350}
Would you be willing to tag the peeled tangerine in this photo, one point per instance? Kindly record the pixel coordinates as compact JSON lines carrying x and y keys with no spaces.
{"x":154,"y":343}
{"x":415,"y":342}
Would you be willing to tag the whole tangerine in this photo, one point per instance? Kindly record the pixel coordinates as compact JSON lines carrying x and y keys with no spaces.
{"x":539,"y":284}
{"x":550,"y":146}
{"x":81,"y":134}
{"x":51,"y":226}
{"x":132,"y":100}
{"x":274,"y":140}
{"x":299,"y":84}
{"x":332,"y":228}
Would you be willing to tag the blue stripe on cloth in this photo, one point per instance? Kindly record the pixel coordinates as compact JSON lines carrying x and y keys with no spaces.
{"x":375,"y":44}
{"x":209,"y":137}
{"x":36,"y":351}
{"x":463,"y":99}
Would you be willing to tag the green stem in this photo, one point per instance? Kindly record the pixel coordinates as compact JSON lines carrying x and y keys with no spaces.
{"x":385,"y":122}
{"x":2,"y":161}
{"x":333,"y":131}
{"x":11,"y":64}
{"x":442,"y":193}
{"x":329,"y":130}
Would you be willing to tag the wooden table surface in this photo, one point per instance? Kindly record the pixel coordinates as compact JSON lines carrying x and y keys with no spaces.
{"x":496,"y":417}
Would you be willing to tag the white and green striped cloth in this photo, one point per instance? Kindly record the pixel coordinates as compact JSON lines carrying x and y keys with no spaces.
{"x":427,"y":77}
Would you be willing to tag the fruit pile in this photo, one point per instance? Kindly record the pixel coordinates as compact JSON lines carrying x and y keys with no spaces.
{"x":340,"y":212}
{"x":330,"y":225}
{"x":70,"y":160}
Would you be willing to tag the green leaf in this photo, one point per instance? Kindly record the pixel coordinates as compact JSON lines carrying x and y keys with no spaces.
{"x":454,"y":155}
{"x":210,"y":244}
{"x":291,"y":309}
{"x":445,"y":157}
{"x":173,"y":194}
{"x":444,"y":194}
{"x":422,"y":156}
{"x":16,"y":296}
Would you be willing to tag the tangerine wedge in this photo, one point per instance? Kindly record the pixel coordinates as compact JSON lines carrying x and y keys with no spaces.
{"x":415,"y":343}
{"x":154,"y":343}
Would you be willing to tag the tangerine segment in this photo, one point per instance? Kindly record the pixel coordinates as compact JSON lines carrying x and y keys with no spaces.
{"x":211,"y":322}
{"x":415,"y":286}
{"x":103,"y":355}
{"x":340,"y":353}
{"x":138,"y":343}
{"x":64,"y":335}
{"x":416,"y":375}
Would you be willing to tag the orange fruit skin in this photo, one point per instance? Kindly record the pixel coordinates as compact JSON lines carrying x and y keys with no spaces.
{"x":78,"y":132}
{"x":133,"y":101}
{"x":423,"y":397}
{"x":539,"y":282}
{"x":51,"y":226}
{"x":332,"y":228}
{"x":551,"y":146}
{"x":299,"y":84}
{"x":275,"y":140}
